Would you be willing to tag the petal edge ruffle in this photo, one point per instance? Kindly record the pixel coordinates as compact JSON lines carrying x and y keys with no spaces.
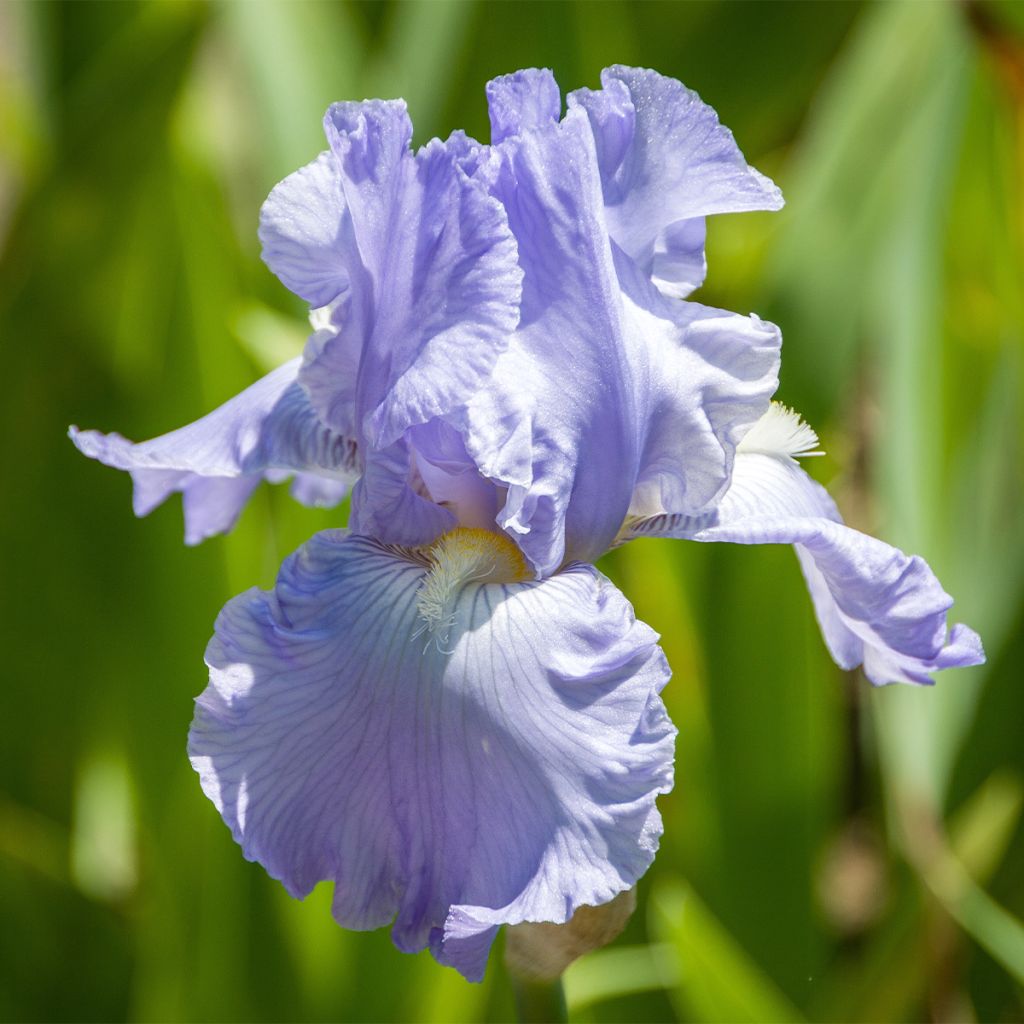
{"x":876,"y":606}
{"x":267,"y":432}
{"x":507,"y":773}
{"x":666,"y":164}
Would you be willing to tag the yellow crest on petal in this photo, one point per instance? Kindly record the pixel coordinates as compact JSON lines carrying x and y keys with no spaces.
{"x":465,"y":555}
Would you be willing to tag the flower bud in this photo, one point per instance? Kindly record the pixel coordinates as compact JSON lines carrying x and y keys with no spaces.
{"x":542,"y":951}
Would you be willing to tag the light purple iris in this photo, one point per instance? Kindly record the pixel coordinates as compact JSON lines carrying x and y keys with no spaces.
{"x":446,"y":710}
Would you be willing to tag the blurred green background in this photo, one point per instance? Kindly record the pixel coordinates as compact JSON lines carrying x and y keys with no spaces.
{"x":831,"y":852}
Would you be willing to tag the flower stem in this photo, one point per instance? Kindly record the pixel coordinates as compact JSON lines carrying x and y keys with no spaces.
{"x":539,"y":1002}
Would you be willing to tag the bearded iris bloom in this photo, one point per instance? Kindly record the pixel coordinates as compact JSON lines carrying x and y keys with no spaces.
{"x":446,"y":709}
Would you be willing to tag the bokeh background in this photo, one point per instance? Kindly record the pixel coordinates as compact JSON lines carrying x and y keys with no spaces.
{"x":831,"y":852}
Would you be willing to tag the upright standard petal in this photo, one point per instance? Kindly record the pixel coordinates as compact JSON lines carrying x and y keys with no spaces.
{"x":606,"y":385}
{"x":877,"y":607}
{"x":711,"y":379}
{"x":422,"y":267}
{"x":306,"y":233}
{"x":453,"y":754}
{"x":269,"y":431}
{"x":666,"y":164}
{"x":417,"y":259}
{"x":438,"y":289}
{"x":521,"y":101}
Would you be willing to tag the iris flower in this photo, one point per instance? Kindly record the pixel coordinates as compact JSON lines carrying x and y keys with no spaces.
{"x":445,"y":709}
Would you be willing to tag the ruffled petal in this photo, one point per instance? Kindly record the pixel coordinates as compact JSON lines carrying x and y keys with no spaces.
{"x":433,"y":280}
{"x":306,"y":233}
{"x":504,"y":772}
{"x":876,"y":606}
{"x":451,"y":477}
{"x":666,"y":163}
{"x":523,"y":100}
{"x":331,"y":369}
{"x":712,"y":374}
{"x":606,"y":385}
{"x":390,"y":501}
{"x":558,"y":419}
{"x":269,"y":431}
{"x":419,"y":267}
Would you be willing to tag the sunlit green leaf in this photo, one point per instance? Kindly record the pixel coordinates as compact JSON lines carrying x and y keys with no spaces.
{"x":717,"y":980}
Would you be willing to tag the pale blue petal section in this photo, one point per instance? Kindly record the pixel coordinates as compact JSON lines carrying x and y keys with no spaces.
{"x":391,"y":502}
{"x":450,"y":476}
{"x":711,"y":375}
{"x":558,"y":418}
{"x":269,"y":431}
{"x":504,"y":772}
{"x":523,"y":100}
{"x":434,"y":284}
{"x":607,"y":386}
{"x":317,"y":491}
{"x":332,"y":385}
{"x":420,"y":268}
{"x":666,"y":163}
{"x":306,"y":233}
{"x":876,"y":606}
